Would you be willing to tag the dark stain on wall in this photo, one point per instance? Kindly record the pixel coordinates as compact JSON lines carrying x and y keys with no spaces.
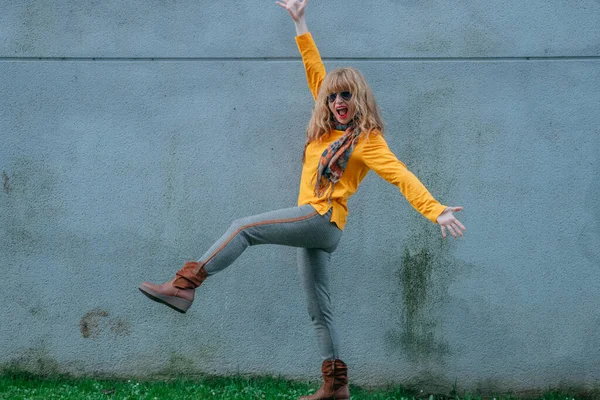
{"x":89,"y":325}
{"x":38,"y":311}
{"x":179,"y":365}
{"x":418,"y":335}
{"x":120,"y":327}
{"x":97,"y":321}
{"x":36,"y":360}
{"x":424,"y":271}
{"x":6,"y":182}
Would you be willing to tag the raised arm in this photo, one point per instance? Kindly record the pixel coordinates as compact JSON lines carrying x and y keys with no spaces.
{"x":313,"y":65}
{"x":296,"y":10}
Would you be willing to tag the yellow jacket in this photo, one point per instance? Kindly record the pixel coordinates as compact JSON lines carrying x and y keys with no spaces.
{"x":370,"y":152}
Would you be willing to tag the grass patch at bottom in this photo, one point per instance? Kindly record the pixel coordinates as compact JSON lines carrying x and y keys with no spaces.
{"x":25,"y":386}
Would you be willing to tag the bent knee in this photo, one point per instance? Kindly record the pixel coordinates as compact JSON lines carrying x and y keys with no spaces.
{"x":239,"y":224}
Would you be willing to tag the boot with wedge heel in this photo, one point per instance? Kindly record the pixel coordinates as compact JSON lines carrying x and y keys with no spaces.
{"x":178,"y":293}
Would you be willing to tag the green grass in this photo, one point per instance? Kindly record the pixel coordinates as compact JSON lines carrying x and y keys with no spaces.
{"x":24,"y":386}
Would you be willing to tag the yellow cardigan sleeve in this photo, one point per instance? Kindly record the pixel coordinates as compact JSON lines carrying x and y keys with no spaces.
{"x":313,"y":65}
{"x":378,"y":157}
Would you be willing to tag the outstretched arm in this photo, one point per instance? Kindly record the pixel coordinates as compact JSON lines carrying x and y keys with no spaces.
{"x":378,"y":157}
{"x":296,"y":10}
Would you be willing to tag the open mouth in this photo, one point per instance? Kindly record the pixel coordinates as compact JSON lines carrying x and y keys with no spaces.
{"x":342,"y":112}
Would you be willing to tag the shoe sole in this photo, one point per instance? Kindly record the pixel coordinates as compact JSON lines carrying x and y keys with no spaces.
{"x":176,"y":303}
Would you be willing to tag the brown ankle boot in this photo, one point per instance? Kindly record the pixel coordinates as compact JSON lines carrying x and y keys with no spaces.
{"x":178,"y":293}
{"x":335,"y":382}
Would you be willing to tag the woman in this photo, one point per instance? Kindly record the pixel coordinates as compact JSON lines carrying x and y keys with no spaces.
{"x":344,"y":141}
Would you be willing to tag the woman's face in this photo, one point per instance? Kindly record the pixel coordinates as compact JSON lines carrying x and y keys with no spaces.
{"x":341,"y":106}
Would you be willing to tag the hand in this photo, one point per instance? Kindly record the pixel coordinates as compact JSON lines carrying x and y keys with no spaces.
{"x":447,"y":220}
{"x":294,"y":7}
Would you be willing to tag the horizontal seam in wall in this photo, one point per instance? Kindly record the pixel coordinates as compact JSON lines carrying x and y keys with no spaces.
{"x":298,"y":59}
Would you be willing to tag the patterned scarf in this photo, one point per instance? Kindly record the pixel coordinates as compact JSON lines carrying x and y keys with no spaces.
{"x":334,"y":160}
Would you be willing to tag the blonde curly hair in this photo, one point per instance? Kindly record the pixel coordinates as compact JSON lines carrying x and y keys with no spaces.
{"x":367,"y":115}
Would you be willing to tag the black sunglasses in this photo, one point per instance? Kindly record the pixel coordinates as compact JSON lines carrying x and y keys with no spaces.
{"x":344,"y":95}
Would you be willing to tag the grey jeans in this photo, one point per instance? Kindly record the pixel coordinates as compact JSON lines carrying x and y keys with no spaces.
{"x":316,"y":238}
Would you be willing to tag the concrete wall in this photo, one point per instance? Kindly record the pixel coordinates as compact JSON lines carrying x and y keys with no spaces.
{"x":134,"y":132}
